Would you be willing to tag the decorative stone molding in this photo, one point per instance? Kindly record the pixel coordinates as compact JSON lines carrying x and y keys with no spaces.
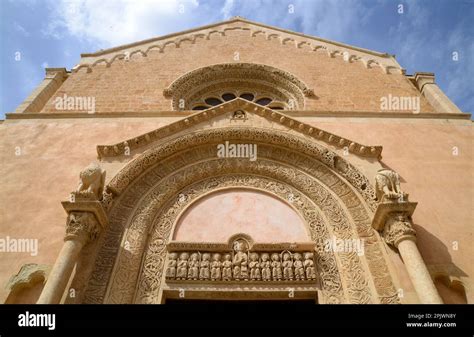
{"x":262,"y":137}
{"x":82,"y":226}
{"x":169,"y":179}
{"x":118,"y":149}
{"x":194,"y":84}
{"x":345,"y":53}
{"x":29,"y":275}
{"x":291,"y":113}
{"x":240,"y":260}
{"x":389,"y":209}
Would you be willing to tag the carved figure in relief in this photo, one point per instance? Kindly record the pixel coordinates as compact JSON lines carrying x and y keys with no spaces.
{"x":227,"y":268}
{"x":387,"y":185}
{"x":254,"y":266}
{"x":287,"y":266}
{"x":240,"y":261}
{"x":193,"y":267}
{"x":216,"y":267}
{"x":239,"y":114}
{"x":276,"y":267}
{"x":265,"y":265}
{"x":204,"y":267}
{"x":172,"y":263}
{"x":298,"y":264}
{"x":92,"y":181}
{"x":182,"y":272}
{"x":309,"y":266}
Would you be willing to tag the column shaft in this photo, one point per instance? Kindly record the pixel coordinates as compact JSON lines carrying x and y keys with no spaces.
{"x":61,"y":272}
{"x":419,"y":274}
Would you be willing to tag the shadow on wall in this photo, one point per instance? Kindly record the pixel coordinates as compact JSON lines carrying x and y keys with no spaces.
{"x":446,"y":275}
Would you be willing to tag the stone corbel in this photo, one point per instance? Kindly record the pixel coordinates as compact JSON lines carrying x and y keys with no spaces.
{"x":393,"y":220}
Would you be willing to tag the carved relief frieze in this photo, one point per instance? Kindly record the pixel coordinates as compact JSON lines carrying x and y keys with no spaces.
{"x":240,"y":261}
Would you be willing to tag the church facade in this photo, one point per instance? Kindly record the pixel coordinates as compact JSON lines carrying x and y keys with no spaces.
{"x":237,"y":161}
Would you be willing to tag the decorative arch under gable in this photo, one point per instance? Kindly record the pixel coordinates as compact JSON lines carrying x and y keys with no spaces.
{"x":143,"y":206}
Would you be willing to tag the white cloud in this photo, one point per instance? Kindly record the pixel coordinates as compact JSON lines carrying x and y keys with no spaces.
{"x":19,"y":28}
{"x":227,"y":8}
{"x":107,"y":23}
{"x":422,"y":43}
{"x":44,"y":65}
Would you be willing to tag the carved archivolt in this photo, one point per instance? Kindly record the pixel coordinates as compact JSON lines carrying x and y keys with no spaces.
{"x":194,"y":84}
{"x":149,"y":203}
{"x":311,"y":44}
{"x":263,"y":138}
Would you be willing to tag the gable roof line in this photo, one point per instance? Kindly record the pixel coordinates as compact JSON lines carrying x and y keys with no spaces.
{"x":232,"y":20}
{"x":115,"y":150}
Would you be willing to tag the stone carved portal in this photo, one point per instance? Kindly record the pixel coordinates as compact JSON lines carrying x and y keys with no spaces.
{"x":145,"y":200}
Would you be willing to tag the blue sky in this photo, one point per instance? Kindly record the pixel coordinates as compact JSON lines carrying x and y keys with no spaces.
{"x":53,"y":33}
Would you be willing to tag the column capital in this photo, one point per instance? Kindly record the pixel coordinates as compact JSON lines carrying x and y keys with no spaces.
{"x":398,"y":228}
{"x":82,"y":226}
{"x":85,"y":221}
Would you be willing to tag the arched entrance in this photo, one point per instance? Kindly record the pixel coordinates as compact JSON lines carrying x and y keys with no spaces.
{"x":145,"y":201}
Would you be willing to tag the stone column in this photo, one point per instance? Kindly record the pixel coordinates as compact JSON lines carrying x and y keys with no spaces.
{"x":399,"y":233}
{"x":393,"y":219}
{"x":82,"y":228}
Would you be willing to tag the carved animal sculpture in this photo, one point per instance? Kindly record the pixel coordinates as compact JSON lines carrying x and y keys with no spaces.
{"x":387,"y":184}
{"x":92,"y":180}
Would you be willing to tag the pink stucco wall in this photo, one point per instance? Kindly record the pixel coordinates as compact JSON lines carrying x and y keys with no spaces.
{"x":219,"y":215}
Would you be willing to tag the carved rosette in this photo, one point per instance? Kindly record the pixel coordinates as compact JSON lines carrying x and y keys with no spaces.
{"x":398,"y":228}
{"x":82,"y":226}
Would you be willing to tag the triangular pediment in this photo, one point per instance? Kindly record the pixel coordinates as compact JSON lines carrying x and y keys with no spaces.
{"x":333,"y":49}
{"x":237,"y":113}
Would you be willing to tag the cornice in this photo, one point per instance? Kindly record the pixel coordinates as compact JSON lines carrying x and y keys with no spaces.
{"x":332,"y":49}
{"x":187,"y":113}
{"x":114,"y":150}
